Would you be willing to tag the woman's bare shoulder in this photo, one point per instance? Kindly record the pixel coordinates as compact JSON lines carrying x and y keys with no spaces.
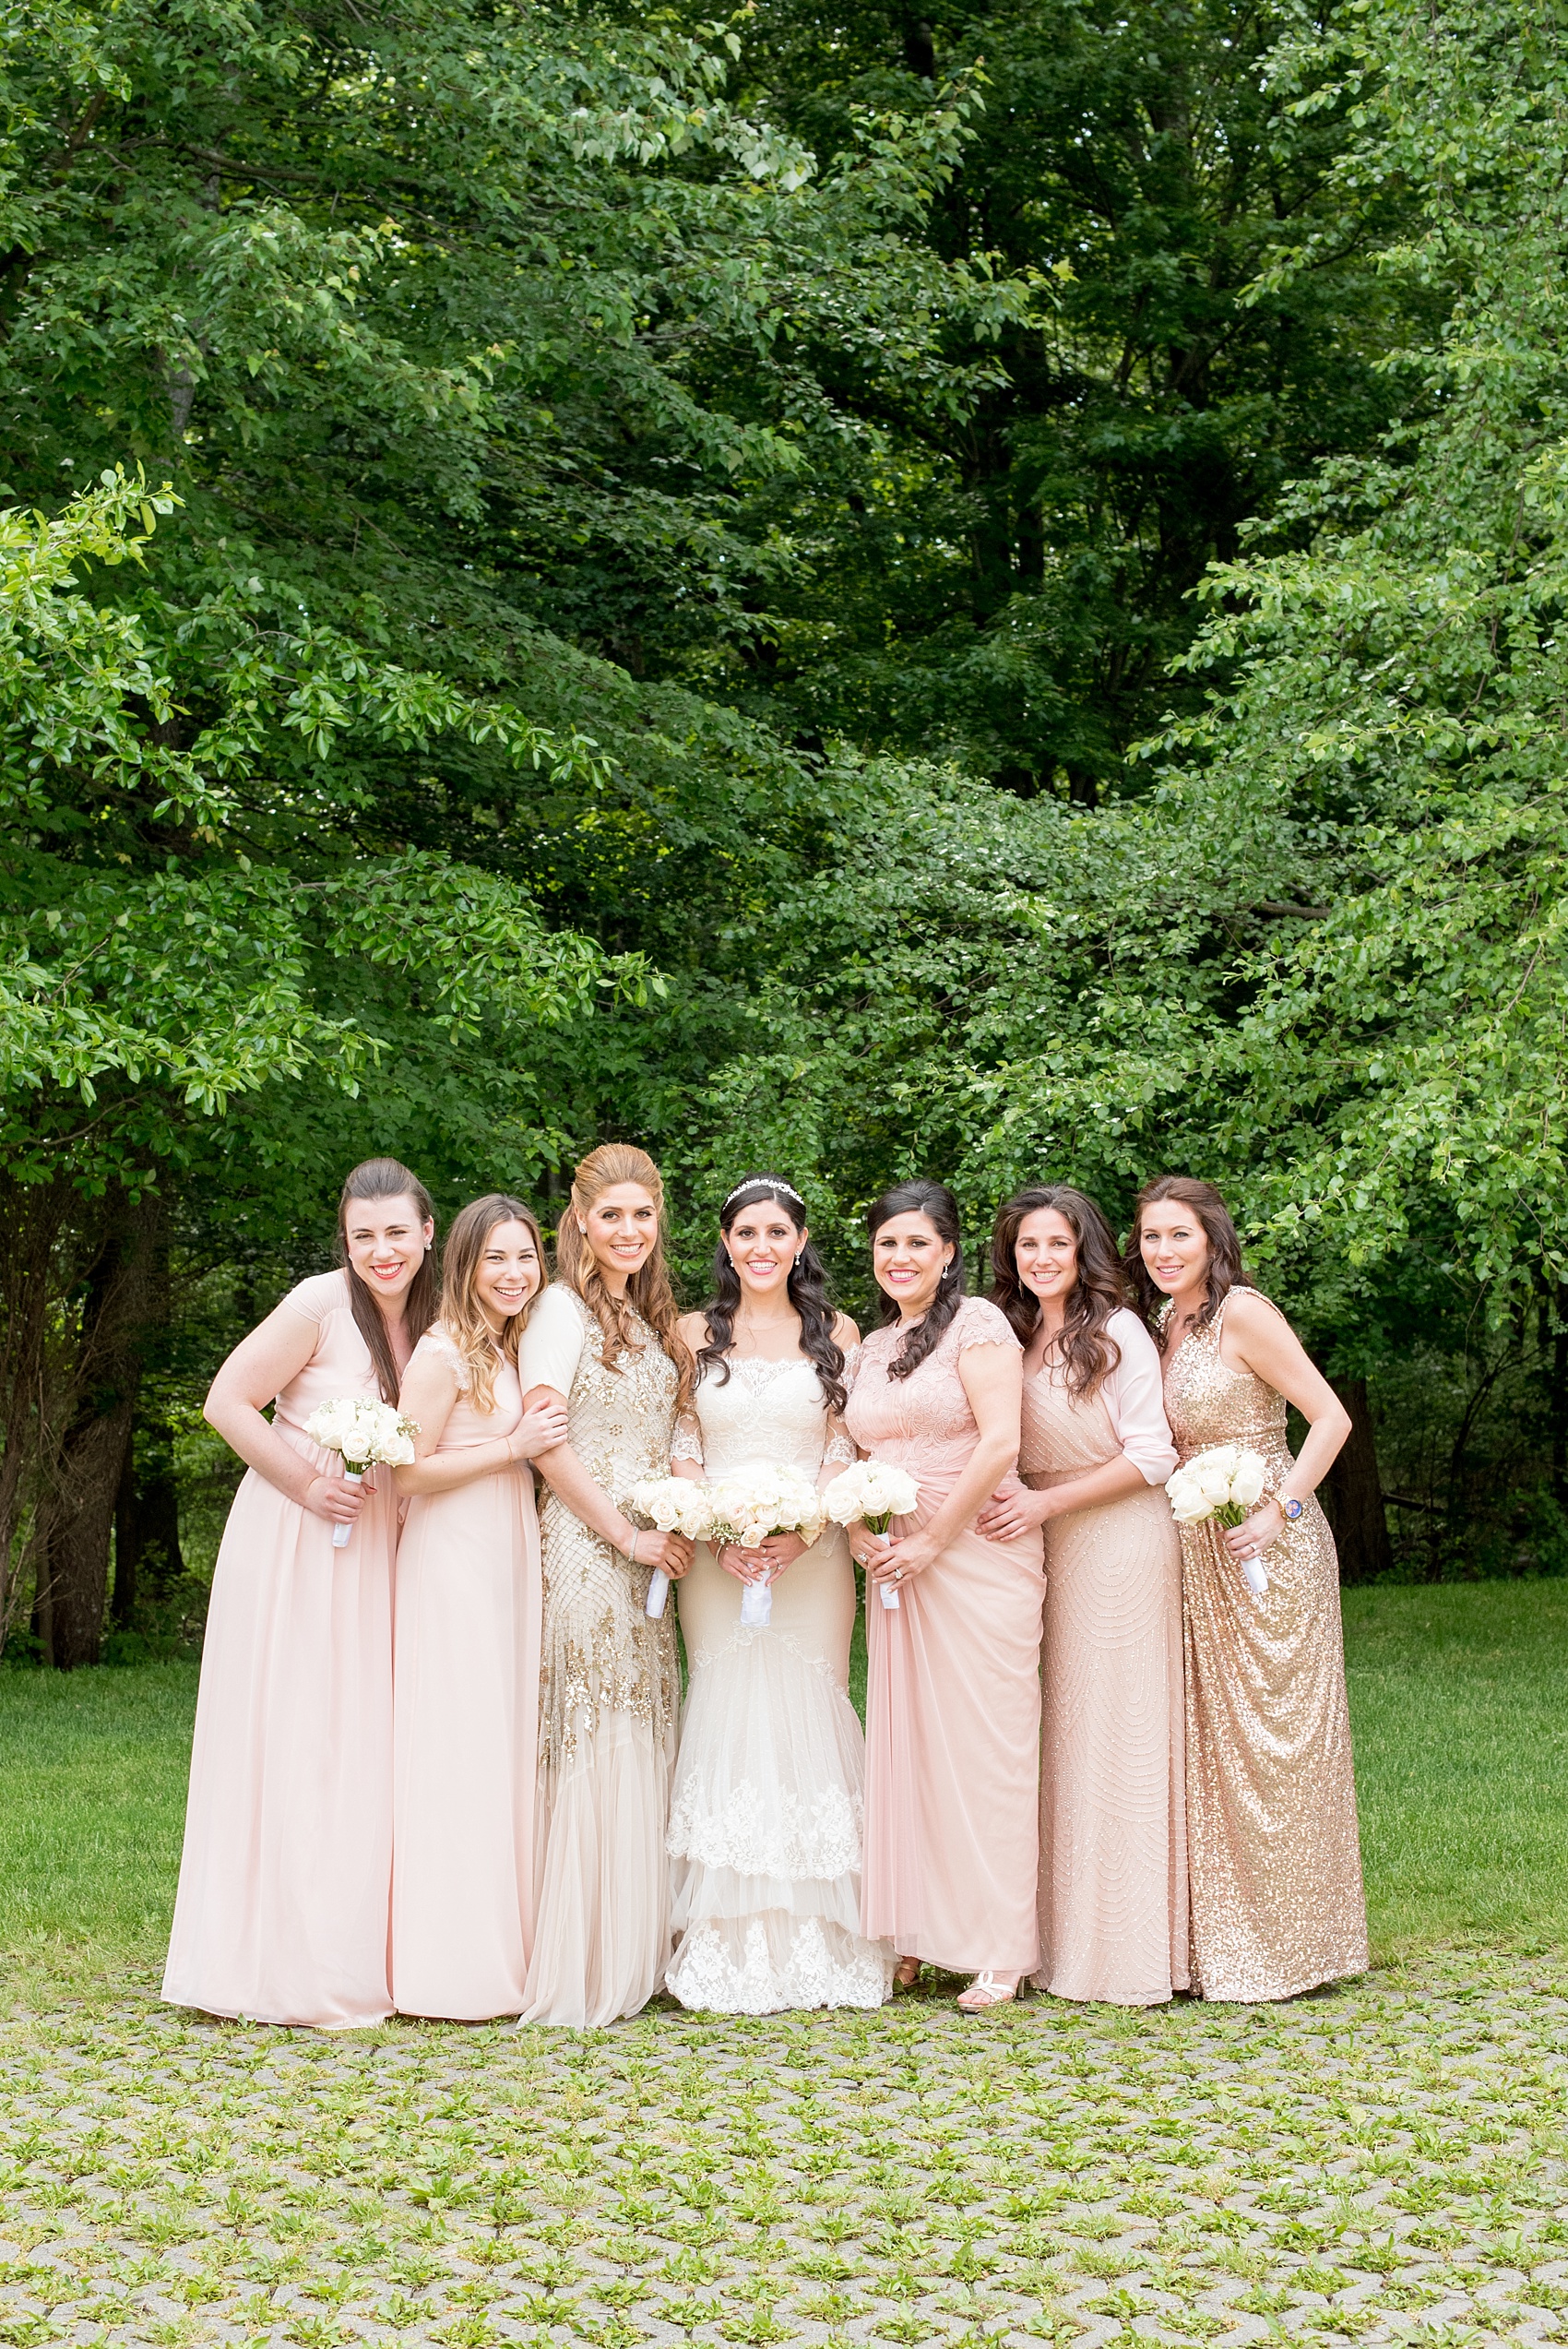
{"x":845,"y":1333}
{"x":693,"y":1328}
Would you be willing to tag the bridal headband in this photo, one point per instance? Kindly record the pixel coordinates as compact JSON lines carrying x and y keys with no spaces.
{"x":765,"y":1182}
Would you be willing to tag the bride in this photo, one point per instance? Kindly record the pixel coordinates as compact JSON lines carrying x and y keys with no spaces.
{"x":764,"y":1827}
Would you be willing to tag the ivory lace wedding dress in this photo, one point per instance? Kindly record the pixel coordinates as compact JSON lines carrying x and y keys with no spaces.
{"x":765,"y":1820}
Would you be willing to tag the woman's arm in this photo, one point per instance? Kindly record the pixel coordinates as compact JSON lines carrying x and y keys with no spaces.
{"x":1257,"y":1337}
{"x":259,"y":1368}
{"x":430,"y":1392}
{"x":591,"y":1504}
{"x":993,"y":1378}
{"x":1009,"y":1514}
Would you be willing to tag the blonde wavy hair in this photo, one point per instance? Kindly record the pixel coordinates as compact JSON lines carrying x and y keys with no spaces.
{"x":461,"y":1315}
{"x":648,"y":1289}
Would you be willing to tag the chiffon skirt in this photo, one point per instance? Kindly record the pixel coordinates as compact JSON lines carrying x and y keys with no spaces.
{"x":285,"y":1881}
{"x":952,"y":1846}
{"x":1113,"y":1841}
{"x":602,"y":1881}
{"x":768,"y":1812}
{"x":465,"y":1742}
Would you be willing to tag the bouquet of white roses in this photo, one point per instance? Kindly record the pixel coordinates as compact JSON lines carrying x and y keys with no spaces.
{"x":675,"y":1504}
{"x":750,"y":1504}
{"x":1225,"y":1483}
{"x":873,"y":1494}
{"x":364,"y":1435}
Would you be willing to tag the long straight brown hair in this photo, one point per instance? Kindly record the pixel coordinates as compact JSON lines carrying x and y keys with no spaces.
{"x":1226,"y":1270}
{"x":649,"y":1291}
{"x":387,"y":1178}
{"x":462,"y":1317}
{"x":1087,"y":1351}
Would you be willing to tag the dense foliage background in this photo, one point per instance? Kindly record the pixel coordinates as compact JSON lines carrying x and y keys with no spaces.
{"x":974,"y":592}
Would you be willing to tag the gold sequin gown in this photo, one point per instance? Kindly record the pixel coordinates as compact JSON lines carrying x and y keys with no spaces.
{"x":609,"y":1687}
{"x":1273,"y":1849}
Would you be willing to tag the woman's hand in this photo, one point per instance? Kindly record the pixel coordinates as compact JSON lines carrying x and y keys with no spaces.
{"x":746,"y":1565}
{"x":670,"y":1551}
{"x":336,"y":1499}
{"x":1255,"y":1533}
{"x":541,"y":1428}
{"x":901,"y":1561}
{"x":1007,"y":1515}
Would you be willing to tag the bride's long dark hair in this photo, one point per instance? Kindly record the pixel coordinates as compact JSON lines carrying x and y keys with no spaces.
{"x":807,"y":1289}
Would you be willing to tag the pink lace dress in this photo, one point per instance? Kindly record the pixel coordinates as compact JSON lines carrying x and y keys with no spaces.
{"x":465,"y":1725}
{"x":285,"y":1882}
{"x":952,"y":1836}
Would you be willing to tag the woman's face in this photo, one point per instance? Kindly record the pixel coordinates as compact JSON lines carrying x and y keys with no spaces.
{"x":763,"y":1244}
{"x":622,"y":1230}
{"x":509,"y":1273}
{"x":387,"y":1242}
{"x":1046,"y":1253}
{"x":1174,"y":1246}
{"x":909,"y":1257}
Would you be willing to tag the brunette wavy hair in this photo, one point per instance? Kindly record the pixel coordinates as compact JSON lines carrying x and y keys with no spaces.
{"x":462,"y":1317}
{"x":648,"y":1289}
{"x":387,"y":1178}
{"x":807,"y":1290}
{"x":1086,"y":1350}
{"x":1226,"y":1270}
{"x":937,"y":1202}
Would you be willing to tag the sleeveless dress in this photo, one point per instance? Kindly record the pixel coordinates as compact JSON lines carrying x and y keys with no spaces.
{"x":769,"y":1808}
{"x":464,"y":1724}
{"x":609,"y":1688}
{"x":285,"y":1881}
{"x":1112,"y":1824}
{"x":952,"y":1852}
{"x":1274,"y":1855}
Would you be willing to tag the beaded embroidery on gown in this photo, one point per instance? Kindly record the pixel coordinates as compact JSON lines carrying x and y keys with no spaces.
{"x":768,"y":1813}
{"x":609,"y":1687}
{"x":1273,"y":1852}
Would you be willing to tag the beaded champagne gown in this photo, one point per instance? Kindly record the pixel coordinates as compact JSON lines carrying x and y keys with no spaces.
{"x":1274,"y":1855}
{"x":1112,"y":1824}
{"x":952,"y":1853}
{"x":769,"y":1808}
{"x":609,"y":1688}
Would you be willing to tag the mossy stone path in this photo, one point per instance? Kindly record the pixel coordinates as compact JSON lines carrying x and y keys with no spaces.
{"x":1383,"y":2162}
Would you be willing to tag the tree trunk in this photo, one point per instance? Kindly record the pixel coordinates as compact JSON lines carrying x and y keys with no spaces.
{"x":1355,"y":1486}
{"x":33,"y":1219}
{"x":117,"y":1311}
{"x":123,"y":1606}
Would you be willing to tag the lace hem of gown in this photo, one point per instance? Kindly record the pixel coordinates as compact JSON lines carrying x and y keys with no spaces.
{"x":770,"y":1964}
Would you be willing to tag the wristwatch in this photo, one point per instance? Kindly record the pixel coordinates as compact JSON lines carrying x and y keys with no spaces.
{"x":1290,"y":1508}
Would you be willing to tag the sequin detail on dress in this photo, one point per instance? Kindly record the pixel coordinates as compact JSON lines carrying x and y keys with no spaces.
{"x":1273,"y":1850}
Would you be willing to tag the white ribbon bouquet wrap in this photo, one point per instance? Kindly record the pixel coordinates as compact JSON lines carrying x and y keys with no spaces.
{"x":675,"y":1504}
{"x":363,"y":1435}
{"x":873,"y":1494}
{"x":750,"y":1505}
{"x":1225,"y":1483}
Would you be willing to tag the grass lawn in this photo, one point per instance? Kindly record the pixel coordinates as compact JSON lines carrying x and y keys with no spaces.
{"x":1386,"y":2161}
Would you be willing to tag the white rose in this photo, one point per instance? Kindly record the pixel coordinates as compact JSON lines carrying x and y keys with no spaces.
{"x":1248,"y":1479}
{"x":1212,"y":1478}
{"x":1188,"y":1506}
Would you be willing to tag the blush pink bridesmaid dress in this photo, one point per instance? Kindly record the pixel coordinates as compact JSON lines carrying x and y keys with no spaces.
{"x":465,"y":1725}
{"x":952,"y":1834}
{"x":1112,"y":1822}
{"x":285,"y":1881}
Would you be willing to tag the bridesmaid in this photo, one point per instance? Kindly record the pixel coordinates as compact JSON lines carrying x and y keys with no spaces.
{"x":465,"y":1653}
{"x":1273,"y":1852}
{"x":602,"y":1343}
{"x":1097,"y":1449}
{"x":285,"y":1883}
{"x":952,"y":1842}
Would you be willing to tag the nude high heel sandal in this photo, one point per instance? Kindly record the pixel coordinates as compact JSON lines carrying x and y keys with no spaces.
{"x":985,"y":1991}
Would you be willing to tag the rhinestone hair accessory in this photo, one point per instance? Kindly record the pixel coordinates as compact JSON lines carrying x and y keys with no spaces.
{"x":766,"y":1182}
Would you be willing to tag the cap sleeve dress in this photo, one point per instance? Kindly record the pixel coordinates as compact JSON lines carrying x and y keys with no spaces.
{"x":952,"y":1840}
